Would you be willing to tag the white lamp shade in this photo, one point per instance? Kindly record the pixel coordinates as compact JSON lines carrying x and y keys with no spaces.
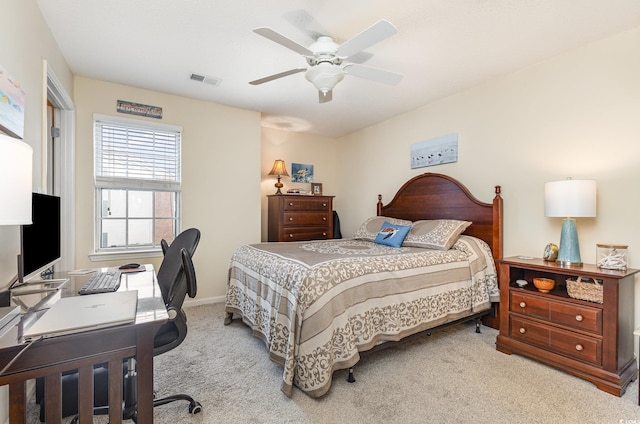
{"x":16,"y":163}
{"x":570,"y":198}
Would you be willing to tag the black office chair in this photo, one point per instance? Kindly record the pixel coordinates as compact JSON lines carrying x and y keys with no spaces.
{"x":177,"y":279}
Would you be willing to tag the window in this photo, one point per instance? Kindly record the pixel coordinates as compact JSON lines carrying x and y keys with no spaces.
{"x":137,"y":181}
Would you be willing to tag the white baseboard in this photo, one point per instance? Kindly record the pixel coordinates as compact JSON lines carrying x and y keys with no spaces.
{"x":205,"y":301}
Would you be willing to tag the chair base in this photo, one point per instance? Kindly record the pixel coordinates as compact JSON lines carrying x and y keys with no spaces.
{"x":194,"y":406}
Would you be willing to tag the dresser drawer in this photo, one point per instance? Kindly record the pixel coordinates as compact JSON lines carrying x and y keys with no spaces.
{"x":305,"y":233}
{"x":563,"y":313}
{"x":560,"y":341}
{"x":306,"y":203}
{"x":306,"y":218}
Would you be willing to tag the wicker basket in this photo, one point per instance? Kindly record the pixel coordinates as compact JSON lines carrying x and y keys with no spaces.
{"x":587,"y":289}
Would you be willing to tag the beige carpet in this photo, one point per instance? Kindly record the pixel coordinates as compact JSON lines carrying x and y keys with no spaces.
{"x":454,"y":376}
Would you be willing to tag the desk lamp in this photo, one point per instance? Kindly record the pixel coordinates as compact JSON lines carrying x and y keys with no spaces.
{"x":279,"y":169}
{"x":570,"y":199}
{"x":15,"y":186}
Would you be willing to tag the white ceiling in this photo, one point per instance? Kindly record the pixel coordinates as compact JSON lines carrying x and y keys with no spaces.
{"x":442,"y":46}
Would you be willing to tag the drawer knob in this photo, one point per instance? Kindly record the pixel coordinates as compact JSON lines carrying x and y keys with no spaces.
{"x":522,"y":330}
{"x":523,"y":305}
{"x":290,"y":235}
{"x":290,"y":218}
{"x":579,"y":347}
{"x":579,"y":318}
{"x":324,"y":234}
{"x":324,"y":218}
{"x":324,"y":205}
{"x":290,"y":203}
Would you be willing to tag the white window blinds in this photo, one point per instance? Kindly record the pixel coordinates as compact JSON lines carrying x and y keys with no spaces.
{"x":136,"y":156}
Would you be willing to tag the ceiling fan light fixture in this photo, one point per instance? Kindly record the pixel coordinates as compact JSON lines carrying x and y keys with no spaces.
{"x":325,"y":76}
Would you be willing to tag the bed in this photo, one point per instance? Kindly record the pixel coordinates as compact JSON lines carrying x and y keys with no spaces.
{"x":318,"y":304}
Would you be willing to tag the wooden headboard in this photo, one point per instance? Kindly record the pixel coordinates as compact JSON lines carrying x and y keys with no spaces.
{"x":437,"y":196}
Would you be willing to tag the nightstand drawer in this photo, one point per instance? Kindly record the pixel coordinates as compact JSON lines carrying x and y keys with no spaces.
{"x":563,"y":342}
{"x":563,"y":313}
{"x":581,"y":317}
{"x":306,"y":218}
{"x":531,"y":306}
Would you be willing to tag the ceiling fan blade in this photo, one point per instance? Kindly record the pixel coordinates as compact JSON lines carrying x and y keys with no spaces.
{"x":367,"y":38}
{"x":282,"y":40}
{"x":360,"y":57}
{"x":306,"y":23}
{"x":374,"y":74}
{"x":325,"y":97}
{"x":276,"y":76}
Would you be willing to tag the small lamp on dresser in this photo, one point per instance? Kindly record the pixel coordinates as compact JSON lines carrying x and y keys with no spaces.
{"x":570,"y":199}
{"x":280,"y":170}
{"x":15,"y":188}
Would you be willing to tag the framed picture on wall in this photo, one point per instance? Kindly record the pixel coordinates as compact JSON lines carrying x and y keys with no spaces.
{"x":316,"y":189}
{"x":12,"y":100}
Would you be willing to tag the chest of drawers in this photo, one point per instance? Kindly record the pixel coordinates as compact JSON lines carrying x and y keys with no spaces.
{"x":300,"y":217}
{"x":593,"y":341}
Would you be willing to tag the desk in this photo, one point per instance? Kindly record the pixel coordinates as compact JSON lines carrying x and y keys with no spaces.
{"x":49,"y":358}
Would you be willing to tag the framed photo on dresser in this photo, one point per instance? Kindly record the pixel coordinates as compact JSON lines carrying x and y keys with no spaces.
{"x":316,"y":189}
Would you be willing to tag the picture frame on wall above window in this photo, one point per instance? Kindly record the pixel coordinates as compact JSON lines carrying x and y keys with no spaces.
{"x":316,"y":189}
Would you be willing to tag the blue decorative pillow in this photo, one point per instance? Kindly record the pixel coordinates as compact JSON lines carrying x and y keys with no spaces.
{"x":392,"y":235}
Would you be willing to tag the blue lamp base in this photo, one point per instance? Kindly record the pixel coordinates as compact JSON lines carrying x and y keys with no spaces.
{"x":569,"y":249}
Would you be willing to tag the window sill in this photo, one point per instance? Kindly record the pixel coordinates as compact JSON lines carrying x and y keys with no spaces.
{"x":120,"y":255}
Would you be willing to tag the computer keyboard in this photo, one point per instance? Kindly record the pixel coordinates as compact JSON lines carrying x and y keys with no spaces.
{"x":101,"y":282}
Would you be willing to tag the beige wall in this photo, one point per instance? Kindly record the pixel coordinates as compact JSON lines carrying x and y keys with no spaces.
{"x":220,"y":174}
{"x":22,"y":54}
{"x":297,"y":148}
{"x":576,"y":115}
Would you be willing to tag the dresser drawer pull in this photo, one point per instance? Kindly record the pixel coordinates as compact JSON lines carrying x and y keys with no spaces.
{"x":324,"y":205}
{"x":522,"y":330}
{"x":290,"y":235}
{"x":579,"y":318}
{"x":324,"y":218}
{"x":290,"y":218}
{"x":523,"y":305}
{"x":290,"y":203}
{"x":579,"y":348}
{"x":324,"y":234}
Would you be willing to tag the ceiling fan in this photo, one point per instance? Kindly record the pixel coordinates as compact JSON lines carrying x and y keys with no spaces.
{"x":329,"y":62}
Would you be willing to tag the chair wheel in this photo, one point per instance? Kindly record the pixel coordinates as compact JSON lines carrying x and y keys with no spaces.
{"x":195,"y":408}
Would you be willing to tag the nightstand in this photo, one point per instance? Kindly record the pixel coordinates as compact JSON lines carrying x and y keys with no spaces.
{"x":590,"y":340}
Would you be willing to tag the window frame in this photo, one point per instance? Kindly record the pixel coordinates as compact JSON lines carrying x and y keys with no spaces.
{"x":133,"y":184}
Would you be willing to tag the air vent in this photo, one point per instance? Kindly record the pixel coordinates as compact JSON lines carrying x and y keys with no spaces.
{"x":206,"y":79}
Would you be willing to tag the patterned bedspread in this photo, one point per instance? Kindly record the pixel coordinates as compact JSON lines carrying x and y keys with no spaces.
{"x":317,"y":304}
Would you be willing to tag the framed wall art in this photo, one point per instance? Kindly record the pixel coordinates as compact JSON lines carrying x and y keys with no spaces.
{"x":301,"y":173}
{"x":12,"y":100}
{"x":435,"y":151}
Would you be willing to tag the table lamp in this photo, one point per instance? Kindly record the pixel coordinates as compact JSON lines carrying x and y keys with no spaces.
{"x":15,"y":187}
{"x":15,"y":181}
{"x":570,"y":199}
{"x":279,"y":169}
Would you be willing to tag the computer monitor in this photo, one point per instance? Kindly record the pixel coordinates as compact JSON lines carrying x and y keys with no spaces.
{"x":40,"y":242}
